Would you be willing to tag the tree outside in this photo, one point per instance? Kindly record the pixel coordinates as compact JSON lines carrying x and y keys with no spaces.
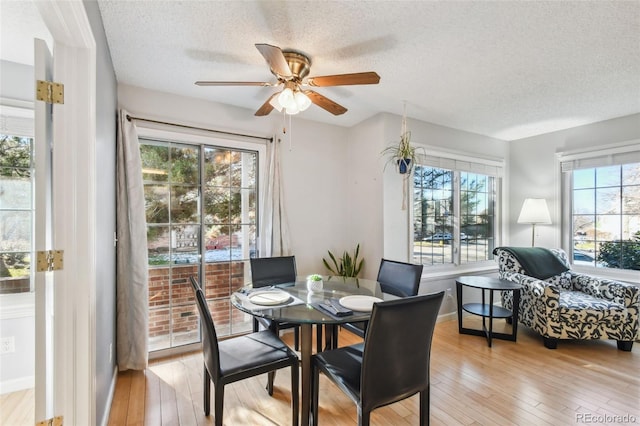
{"x":16,"y":212}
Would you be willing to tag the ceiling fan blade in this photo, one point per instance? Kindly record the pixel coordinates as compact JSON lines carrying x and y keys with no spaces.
{"x":232,"y":83}
{"x":344,"y":79}
{"x":275,"y":59}
{"x":325,"y":103}
{"x":266,"y":107}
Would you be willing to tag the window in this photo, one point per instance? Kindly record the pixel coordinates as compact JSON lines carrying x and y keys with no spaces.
{"x":201,"y":204}
{"x":605,"y":218}
{"x":16,"y":213}
{"x":454,"y":211}
{"x":601,"y":206}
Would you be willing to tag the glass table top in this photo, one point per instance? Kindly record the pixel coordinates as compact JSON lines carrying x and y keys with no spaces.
{"x":302,"y":307}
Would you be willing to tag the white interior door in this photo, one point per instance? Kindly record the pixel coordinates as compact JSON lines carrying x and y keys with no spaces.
{"x":43,"y":241}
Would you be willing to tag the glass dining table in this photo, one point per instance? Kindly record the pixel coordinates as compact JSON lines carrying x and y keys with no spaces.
{"x":303,"y":307}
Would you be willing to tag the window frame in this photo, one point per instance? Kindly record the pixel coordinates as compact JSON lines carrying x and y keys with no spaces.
{"x":18,"y":121}
{"x":457,"y":162}
{"x":597,"y":156}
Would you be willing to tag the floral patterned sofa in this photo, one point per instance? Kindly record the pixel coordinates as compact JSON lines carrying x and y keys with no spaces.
{"x":570,"y":305}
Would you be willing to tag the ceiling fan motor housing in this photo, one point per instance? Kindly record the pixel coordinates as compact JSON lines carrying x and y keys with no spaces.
{"x":299,"y":64}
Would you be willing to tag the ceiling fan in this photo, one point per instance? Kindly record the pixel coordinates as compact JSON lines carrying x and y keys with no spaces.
{"x":291,"y":68}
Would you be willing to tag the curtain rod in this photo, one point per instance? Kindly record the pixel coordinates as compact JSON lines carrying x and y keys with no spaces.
{"x":130,"y":117}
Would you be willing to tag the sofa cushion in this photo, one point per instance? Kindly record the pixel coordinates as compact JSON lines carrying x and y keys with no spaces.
{"x":579,"y":308}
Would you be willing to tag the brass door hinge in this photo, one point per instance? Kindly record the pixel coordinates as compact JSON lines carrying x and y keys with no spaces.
{"x":54,"y":421}
{"x":50,"y":260}
{"x":50,"y":92}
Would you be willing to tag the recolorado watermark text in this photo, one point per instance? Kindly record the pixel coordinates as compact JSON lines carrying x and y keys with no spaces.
{"x":606,"y":418}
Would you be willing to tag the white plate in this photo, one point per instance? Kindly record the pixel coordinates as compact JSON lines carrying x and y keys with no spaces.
{"x":269,"y":297}
{"x":359,"y":302}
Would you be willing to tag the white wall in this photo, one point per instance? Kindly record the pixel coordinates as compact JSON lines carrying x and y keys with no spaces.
{"x":105,"y":333}
{"x":364,"y":192}
{"x":313,"y":165}
{"x":533,"y":171}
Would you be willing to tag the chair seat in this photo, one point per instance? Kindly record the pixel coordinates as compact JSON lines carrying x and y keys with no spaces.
{"x":256,"y":350}
{"x":579,"y":307}
{"x":344,"y":366}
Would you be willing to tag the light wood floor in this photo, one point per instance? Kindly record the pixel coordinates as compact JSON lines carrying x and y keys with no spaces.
{"x":511,"y":383}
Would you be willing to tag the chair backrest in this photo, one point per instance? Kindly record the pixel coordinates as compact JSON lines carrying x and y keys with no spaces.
{"x":209,"y":337}
{"x":397,"y":348}
{"x":266,"y":271}
{"x":399,"y":278}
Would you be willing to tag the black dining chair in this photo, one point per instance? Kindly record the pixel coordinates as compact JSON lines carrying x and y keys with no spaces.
{"x":400,"y":279}
{"x":268,"y":271}
{"x":239,"y":358}
{"x":393,"y":362}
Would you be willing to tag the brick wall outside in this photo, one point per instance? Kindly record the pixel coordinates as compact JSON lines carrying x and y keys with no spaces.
{"x":14,"y":285}
{"x":173,"y":283}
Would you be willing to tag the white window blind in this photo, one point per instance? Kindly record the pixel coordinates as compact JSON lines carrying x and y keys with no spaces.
{"x":622,"y":154}
{"x":453,"y":161}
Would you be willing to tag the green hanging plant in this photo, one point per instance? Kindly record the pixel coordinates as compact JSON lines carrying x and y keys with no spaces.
{"x":345,"y":266}
{"x":402,"y":155}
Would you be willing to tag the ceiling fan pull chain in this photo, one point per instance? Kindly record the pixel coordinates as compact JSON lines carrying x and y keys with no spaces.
{"x":290,"y":133}
{"x":284,"y":122}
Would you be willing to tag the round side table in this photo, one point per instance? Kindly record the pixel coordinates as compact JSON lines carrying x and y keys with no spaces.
{"x":488,"y":311}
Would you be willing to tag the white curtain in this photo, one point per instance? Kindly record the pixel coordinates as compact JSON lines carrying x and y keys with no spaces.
{"x":132,"y":313}
{"x":274,"y":240}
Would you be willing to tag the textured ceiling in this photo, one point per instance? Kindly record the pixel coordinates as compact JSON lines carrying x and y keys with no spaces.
{"x":503,"y":69}
{"x":20,"y":23}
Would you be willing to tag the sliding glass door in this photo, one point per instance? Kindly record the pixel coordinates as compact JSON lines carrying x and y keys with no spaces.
{"x":202,"y":210}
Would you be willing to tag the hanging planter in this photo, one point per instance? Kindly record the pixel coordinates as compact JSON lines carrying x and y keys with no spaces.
{"x":403,"y":156}
{"x":404,"y":165}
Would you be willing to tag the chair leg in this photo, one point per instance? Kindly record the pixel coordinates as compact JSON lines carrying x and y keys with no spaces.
{"x":271,"y":376}
{"x":315,"y":389}
{"x":625,"y":345}
{"x":364,"y":417}
{"x":219,"y":403}
{"x":295,"y":404}
{"x":424,"y":407}
{"x":207,"y":392}
{"x":550,"y":342}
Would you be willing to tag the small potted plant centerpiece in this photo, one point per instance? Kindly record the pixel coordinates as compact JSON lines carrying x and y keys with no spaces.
{"x":314,"y":282}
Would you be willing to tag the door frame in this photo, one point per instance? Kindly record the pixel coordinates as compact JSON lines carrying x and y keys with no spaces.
{"x":74,"y":210}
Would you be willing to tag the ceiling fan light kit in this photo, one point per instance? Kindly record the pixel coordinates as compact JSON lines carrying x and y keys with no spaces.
{"x":291,"y":99}
{"x":290,"y":68}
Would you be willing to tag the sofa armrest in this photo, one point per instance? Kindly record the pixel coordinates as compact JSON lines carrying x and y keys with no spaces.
{"x":615,"y":291}
{"x":532,"y":286}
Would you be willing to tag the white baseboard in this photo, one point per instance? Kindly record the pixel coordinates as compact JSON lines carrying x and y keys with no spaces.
{"x":447,"y":317}
{"x":18,"y":384}
{"x":112,"y":390}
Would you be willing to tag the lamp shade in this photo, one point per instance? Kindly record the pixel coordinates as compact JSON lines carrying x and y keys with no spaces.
{"x":534,"y":210}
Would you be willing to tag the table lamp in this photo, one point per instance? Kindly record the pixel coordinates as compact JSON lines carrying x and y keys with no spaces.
{"x":534,"y":211}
